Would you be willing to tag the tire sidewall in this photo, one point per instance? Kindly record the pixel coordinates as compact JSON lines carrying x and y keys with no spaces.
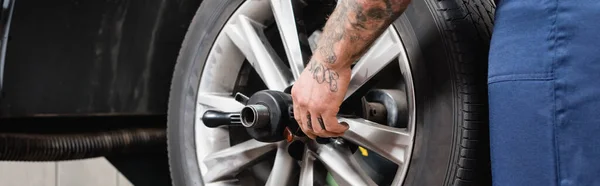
{"x":204,"y":29}
{"x":430,"y":156}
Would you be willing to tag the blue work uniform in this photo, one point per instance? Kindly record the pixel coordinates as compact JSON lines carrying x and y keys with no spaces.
{"x":544,"y":93}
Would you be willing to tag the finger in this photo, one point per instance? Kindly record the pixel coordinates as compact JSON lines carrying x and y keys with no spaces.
{"x":306,"y":124}
{"x":321,"y":123}
{"x":310,"y":126}
{"x":333,"y":126}
{"x":297,"y":115}
{"x":309,"y":122}
{"x":319,"y":129}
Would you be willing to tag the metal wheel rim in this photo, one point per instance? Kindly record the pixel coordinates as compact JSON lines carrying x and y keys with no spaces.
{"x":240,"y":39}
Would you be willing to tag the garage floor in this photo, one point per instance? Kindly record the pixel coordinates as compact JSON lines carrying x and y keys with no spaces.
{"x":91,"y":172}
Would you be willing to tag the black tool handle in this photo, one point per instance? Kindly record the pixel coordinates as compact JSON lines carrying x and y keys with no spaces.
{"x":213,"y":118}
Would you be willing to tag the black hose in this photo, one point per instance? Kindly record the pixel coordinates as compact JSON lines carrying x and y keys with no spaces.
{"x":56,"y":147}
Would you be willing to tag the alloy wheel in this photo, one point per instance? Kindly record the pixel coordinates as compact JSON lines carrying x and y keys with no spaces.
{"x":223,"y":158}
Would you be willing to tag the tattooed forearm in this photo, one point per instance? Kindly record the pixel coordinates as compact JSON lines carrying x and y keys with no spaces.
{"x":353,"y":27}
{"x":323,"y":74}
{"x":333,"y":34}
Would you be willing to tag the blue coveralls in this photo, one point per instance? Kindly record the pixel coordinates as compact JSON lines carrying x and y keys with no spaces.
{"x":544,"y":93}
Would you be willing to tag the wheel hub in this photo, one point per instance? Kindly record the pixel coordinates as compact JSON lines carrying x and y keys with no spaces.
{"x":386,"y":106}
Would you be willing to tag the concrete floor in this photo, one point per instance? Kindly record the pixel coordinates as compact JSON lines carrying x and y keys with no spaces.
{"x":90,"y":172}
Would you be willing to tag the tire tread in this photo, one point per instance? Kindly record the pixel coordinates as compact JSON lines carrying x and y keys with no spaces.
{"x":466,"y":22}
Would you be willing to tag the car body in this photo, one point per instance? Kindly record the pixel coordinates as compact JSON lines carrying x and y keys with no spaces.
{"x":84,"y":58}
{"x":101,"y":61}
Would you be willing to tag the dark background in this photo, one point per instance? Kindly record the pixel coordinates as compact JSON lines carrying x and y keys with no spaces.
{"x":100,"y":57}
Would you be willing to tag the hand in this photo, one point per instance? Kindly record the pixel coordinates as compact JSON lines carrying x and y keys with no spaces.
{"x":317,"y":96}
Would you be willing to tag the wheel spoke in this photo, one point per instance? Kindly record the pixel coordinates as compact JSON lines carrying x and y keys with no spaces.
{"x":385,"y":49}
{"x":282,"y":168}
{"x":307,"y":169}
{"x":339,"y":162}
{"x":247,"y":35}
{"x":389,"y":142}
{"x":223,"y":183}
{"x":219,"y":102}
{"x":227,"y":163}
{"x":286,"y":23}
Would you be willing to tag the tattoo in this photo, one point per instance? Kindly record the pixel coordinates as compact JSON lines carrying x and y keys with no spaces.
{"x":322,"y":74}
{"x":360,"y":19}
{"x":354,"y":26}
{"x":321,"y":123}
{"x":378,"y":14}
{"x":308,"y":123}
{"x":329,"y":40}
{"x":388,"y":8}
{"x":334,"y":32}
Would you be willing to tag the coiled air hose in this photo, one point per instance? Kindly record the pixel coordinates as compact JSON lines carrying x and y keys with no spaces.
{"x":56,"y":147}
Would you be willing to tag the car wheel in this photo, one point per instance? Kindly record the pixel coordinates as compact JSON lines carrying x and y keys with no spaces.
{"x":417,"y":98}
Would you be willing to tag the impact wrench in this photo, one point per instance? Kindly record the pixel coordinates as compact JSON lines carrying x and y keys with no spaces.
{"x":268,"y":116}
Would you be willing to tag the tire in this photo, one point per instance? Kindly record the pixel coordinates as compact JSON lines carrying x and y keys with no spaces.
{"x":450,"y":66}
{"x":449,"y":41}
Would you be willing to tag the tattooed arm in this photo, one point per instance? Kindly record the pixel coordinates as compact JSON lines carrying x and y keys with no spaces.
{"x":353,"y":27}
{"x":349,"y":32}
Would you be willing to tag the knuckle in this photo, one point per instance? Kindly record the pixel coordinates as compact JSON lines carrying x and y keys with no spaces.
{"x":323,"y":107}
{"x":333,"y":111}
{"x":328,"y":123}
{"x":300,"y":124}
{"x":318,"y":130}
{"x":315,"y":106}
{"x":304,"y":129}
{"x":297,"y":117}
{"x":329,"y":116}
{"x":302,"y":102}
